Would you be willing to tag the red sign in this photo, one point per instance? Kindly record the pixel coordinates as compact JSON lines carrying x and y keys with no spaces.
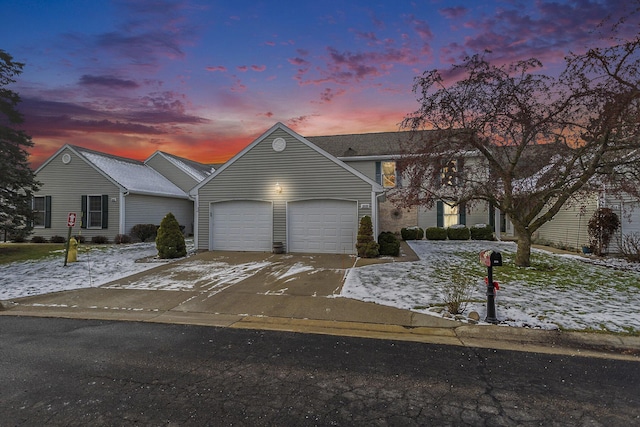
{"x":71,"y":219}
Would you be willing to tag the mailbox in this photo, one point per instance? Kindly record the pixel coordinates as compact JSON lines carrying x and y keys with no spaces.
{"x":491,"y":258}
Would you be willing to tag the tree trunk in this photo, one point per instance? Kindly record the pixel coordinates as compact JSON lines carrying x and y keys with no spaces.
{"x":523,"y":253}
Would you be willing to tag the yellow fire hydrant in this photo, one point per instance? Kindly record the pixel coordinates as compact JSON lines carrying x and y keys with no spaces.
{"x":72,"y":256}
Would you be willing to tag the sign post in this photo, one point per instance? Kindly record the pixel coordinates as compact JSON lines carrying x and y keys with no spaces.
{"x":71,"y":222}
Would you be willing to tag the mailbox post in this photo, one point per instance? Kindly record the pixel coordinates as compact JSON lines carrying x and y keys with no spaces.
{"x":491,"y":259}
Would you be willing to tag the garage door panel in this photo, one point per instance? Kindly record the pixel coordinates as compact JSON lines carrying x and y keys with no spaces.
{"x":242,"y":225}
{"x":323,"y":226}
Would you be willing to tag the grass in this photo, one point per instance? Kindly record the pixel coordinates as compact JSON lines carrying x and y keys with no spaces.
{"x":12,"y":252}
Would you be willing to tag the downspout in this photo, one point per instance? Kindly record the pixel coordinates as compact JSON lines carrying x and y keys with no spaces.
{"x":196,"y":207}
{"x":374,"y":212}
{"x":122,"y":212}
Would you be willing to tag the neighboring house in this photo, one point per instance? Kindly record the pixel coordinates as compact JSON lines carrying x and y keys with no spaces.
{"x":309,"y":194}
{"x":111,"y":194}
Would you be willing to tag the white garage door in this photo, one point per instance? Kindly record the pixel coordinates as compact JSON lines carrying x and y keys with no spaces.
{"x":241,"y":225}
{"x":322,"y":226}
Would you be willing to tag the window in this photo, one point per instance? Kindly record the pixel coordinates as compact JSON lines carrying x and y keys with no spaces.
{"x":450,"y":215}
{"x":449,"y":174}
{"x":42,"y":211}
{"x":386,"y":174}
{"x":95,"y":212}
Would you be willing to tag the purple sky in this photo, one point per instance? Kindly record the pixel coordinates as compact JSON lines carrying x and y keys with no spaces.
{"x":202,"y":79}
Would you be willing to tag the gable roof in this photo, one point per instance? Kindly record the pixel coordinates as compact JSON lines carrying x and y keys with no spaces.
{"x":197,"y":171}
{"x":130,"y":175}
{"x":375,"y":186}
{"x":382,"y":144}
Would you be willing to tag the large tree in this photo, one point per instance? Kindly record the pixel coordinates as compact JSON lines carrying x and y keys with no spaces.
{"x":525,"y":142}
{"x":17,"y":181}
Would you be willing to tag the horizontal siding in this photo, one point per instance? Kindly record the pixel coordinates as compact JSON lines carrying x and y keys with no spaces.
{"x":150,"y":210}
{"x":569,"y":227}
{"x":302,"y":173}
{"x":367,"y":168}
{"x":66,"y":183}
{"x":172,"y":173}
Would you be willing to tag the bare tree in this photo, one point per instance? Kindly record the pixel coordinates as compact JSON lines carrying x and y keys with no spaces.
{"x":525,"y":142}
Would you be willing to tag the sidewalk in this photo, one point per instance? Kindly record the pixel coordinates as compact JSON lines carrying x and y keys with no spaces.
{"x":294,"y":293}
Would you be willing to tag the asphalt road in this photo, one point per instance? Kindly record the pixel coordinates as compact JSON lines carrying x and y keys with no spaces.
{"x":58,"y":372}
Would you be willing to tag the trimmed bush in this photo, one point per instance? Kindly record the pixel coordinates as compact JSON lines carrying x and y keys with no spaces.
{"x":170,"y":240}
{"x":412,"y":233}
{"x":144,"y":232}
{"x":80,"y":238}
{"x":57,"y":239}
{"x":389,"y":244}
{"x":38,"y":239}
{"x":482,"y":232}
{"x":366,"y":245}
{"x":436,"y":233}
{"x":122,"y":238}
{"x":458,"y":233}
{"x":99,"y":240}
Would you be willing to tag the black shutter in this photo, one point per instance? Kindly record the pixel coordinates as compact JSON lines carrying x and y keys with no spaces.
{"x":462,"y":213}
{"x":83,"y":215}
{"x":105,"y":211}
{"x":378,"y":173}
{"x":47,"y":211}
{"x":440,"y":213}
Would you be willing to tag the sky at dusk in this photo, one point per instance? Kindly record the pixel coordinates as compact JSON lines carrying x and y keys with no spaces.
{"x":202,"y":79}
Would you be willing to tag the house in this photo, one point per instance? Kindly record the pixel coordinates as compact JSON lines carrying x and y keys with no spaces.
{"x":308,"y":194}
{"x":111,"y":194}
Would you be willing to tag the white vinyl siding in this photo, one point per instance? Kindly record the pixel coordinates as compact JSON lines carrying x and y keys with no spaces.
{"x":142,"y":209}
{"x":568,"y":229}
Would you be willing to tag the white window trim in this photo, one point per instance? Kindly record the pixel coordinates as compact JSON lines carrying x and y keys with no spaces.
{"x":89,"y":226}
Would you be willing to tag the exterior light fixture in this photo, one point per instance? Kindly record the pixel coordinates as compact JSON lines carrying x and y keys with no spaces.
{"x":278,"y":188}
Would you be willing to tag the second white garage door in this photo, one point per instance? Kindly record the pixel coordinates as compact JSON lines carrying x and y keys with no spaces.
{"x":241,"y":225}
{"x":322,"y":226}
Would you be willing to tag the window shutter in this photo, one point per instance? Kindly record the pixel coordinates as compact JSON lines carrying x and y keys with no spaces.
{"x":105,"y":211}
{"x":398,"y":179}
{"x":462,"y":213}
{"x":379,"y":173}
{"x":440,"y":213}
{"x":492,"y":215}
{"x":47,"y":211}
{"x":83,"y":216}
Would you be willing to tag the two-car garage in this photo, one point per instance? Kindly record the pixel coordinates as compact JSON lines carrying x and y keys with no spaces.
{"x":313,"y":226}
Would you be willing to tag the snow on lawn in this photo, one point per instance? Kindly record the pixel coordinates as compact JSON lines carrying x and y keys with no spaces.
{"x":96,"y":265}
{"x":558,"y":291}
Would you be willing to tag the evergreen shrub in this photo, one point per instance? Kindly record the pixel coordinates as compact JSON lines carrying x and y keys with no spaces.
{"x":389,"y":244}
{"x":366,"y":245}
{"x":38,"y":239}
{"x":57,"y":239}
{"x":458,"y":233}
{"x":412,"y":233}
{"x":170,"y":240}
{"x":436,"y":233}
{"x":144,"y":232}
{"x":99,"y":240}
{"x":482,"y":232}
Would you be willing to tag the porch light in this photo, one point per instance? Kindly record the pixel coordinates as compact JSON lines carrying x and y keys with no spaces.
{"x":278,"y":188}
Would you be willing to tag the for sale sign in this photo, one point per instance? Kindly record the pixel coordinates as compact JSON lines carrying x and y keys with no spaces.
{"x":71,"y":219}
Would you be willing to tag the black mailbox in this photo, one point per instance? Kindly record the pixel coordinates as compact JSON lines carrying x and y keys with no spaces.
{"x":491,"y":258}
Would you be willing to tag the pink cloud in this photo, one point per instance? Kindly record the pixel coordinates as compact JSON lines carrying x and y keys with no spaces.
{"x":258,"y":68}
{"x":214,"y":68}
{"x":242,"y":68}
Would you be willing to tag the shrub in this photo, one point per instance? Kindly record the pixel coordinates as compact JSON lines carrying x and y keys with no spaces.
{"x":458,"y":233}
{"x":601,"y":227}
{"x":57,"y":239}
{"x":366,"y":245}
{"x":389,"y":244}
{"x":122,"y":238}
{"x":99,"y":240}
{"x":80,"y":238}
{"x":412,"y":233}
{"x":457,"y":292}
{"x":436,"y":233}
{"x":144,"y":232}
{"x":170,"y":240}
{"x":38,"y":239}
{"x":482,"y":232}
{"x":630,"y":247}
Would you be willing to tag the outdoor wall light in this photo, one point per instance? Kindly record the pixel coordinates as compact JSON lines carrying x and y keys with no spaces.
{"x":278,"y":188}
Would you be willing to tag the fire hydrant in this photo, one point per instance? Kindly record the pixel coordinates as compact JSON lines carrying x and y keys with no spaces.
{"x":72,"y":256}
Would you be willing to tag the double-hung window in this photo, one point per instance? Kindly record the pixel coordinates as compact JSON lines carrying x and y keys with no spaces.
{"x":386,"y":174}
{"x":95,"y":211}
{"x":42,"y":211}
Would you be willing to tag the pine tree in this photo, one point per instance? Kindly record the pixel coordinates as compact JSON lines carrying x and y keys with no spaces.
{"x":366,"y":245}
{"x":170,"y":240}
{"x":17,"y":180}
